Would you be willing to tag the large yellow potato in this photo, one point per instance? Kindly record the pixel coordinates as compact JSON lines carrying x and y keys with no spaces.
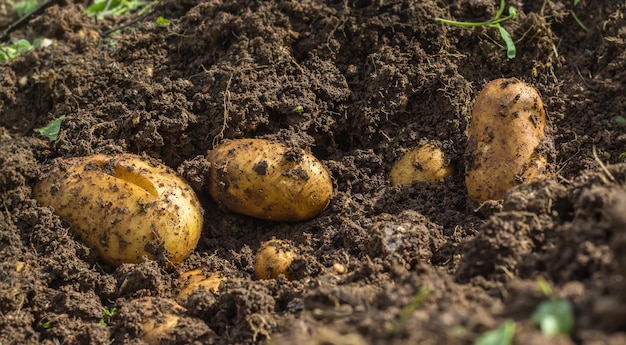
{"x":425,"y":163}
{"x":268,"y":180}
{"x":124,"y":206}
{"x":507,"y":125}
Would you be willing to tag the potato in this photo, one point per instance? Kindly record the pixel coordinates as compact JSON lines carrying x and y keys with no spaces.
{"x":196,"y":279}
{"x":159,"y":318}
{"x":273,"y":259}
{"x":507,"y":125}
{"x":425,"y":163}
{"x":268,"y":180}
{"x":124,"y":206}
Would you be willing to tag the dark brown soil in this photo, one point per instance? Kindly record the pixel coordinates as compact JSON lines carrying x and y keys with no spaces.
{"x":374,"y":79}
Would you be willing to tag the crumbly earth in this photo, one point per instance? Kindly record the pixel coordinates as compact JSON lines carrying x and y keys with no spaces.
{"x":373,"y":79}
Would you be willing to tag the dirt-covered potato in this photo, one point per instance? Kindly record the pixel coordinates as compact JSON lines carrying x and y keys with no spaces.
{"x":508,"y":123}
{"x":196,"y":279}
{"x":125,"y":207}
{"x":425,"y":163}
{"x":159,"y":318}
{"x":268,"y":180}
{"x":273,"y":258}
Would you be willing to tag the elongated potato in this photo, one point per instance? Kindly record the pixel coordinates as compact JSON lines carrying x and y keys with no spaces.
{"x":508,"y":123}
{"x":425,"y":163}
{"x":268,"y":180}
{"x":124,"y":206}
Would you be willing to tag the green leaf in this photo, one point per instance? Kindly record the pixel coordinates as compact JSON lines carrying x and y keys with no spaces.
{"x":160,"y":21}
{"x":22,"y":46}
{"x":576,"y":2}
{"x":10,"y":52}
{"x":24,"y":7}
{"x":51,"y":130}
{"x":494,"y":22}
{"x":100,"y":6}
{"x":502,"y":335}
{"x":510,"y":45}
{"x":554,"y":317}
{"x":103,"y":8}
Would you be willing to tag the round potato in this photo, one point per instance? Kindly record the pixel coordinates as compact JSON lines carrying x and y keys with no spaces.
{"x":508,"y":123}
{"x":125,"y":207}
{"x":196,"y":279}
{"x":273,"y":259}
{"x":425,"y":163}
{"x":268,"y":180}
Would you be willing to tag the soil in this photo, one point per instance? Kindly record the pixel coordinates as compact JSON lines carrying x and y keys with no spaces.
{"x":358,"y":84}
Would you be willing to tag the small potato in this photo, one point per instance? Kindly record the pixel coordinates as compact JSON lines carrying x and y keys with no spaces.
{"x":273,"y":259}
{"x":196,"y":279}
{"x":268,"y":180}
{"x":508,"y":122}
{"x":426,"y":163}
{"x":124,"y":206}
{"x":159,"y":318}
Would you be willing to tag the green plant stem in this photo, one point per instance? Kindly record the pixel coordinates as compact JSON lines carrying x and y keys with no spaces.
{"x":580,"y":23}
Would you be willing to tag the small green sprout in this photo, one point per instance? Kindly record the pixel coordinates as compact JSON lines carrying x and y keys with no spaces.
{"x":553,"y":316}
{"x":406,"y":313}
{"x":578,"y":21}
{"x":10,"y":52}
{"x":46,"y":325}
{"x":108,"y":314}
{"x":51,"y":130}
{"x":502,"y":335}
{"x":160,"y":21}
{"x":298,"y":110}
{"x":103,"y":8}
{"x":494,"y":22}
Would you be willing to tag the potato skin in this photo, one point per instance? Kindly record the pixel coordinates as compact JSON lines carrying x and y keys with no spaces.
{"x":196,"y":279}
{"x":268,"y":180}
{"x":124,"y":206}
{"x":425,"y":163}
{"x":159,"y":318}
{"x":508,"y":124}
{"x":274,"y":258}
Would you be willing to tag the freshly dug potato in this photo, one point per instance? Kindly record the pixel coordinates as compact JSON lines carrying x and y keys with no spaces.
{"x":196,"y":279}
{"x":425,"y":163}
{"x":124,"y":206}
{"x":268,"y":180}
{"x":508,"y":122}
{"x":273,"y":259}
{"x":159,"y":318}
